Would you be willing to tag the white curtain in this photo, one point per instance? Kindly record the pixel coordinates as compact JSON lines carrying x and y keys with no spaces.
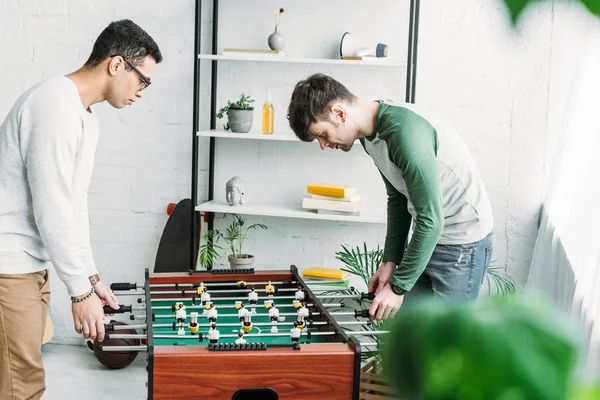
{"x":566,"y":261}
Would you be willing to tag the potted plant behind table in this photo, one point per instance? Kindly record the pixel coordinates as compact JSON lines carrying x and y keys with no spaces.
{"x":363,"y":263}
{"x":234,"y":237}
{"x":239,"y":114}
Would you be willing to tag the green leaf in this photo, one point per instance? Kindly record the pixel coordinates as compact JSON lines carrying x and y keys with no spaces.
{"x":516,"y":8}
{"x":594,"y":7}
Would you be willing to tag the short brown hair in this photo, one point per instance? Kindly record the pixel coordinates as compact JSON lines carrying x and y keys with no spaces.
{"x":311,"y":100}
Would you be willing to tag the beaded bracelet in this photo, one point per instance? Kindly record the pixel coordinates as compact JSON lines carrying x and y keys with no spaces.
{"x":74,"y":300}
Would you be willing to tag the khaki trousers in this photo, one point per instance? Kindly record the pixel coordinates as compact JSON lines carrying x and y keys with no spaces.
{"x":23,"y":310}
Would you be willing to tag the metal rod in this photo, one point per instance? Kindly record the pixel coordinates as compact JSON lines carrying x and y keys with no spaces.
{"x":195,"y":292}
{"x":249,"y":306}
{"x":235,"y":316}
{"x":314,"y":323}
{"x":127,"y":327}
{"x":220,"y":284}
{"x":257,"y":335}
{"x":124,"y":348}
{"x":367,"y":333}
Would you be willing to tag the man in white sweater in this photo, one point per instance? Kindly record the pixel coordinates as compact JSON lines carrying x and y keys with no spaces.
{"x":47,"y":147}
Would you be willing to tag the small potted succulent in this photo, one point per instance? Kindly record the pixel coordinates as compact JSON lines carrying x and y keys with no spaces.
{"x":234,"y":237}
{"x":239,"y":114}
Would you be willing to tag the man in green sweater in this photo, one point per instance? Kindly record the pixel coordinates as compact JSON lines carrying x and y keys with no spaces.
{"x":431,"y":181}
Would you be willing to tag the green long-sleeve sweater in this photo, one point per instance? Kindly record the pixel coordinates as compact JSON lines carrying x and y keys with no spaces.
{"x":431,"y":180}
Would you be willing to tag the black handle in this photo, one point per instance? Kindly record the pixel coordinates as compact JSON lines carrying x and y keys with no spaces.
{"x":367,"y":296}
{"x":122,"y":309}
{"x":123,"y":286}
{"x":361,"y":313}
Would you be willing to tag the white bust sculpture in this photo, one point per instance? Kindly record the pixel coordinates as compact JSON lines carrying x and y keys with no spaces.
{"x":234,"y":191}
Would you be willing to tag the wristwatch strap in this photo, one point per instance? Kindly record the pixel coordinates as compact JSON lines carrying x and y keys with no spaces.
{"x":398,"y":291}
{"x":94,"y":279}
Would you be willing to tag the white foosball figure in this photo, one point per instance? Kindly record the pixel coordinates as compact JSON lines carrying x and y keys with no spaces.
{"x":205,"y":297}
{"x":295,"y":333}
{"x":240,"y":339}
{"x":180,"y":313}
{"x":274,"y":315}
{"x":181,"y":331}
{"x":299,"y":295}
{"x":211,"y":312}
{"x":213,"y":334}
{"x":242,"y":312}
{"x":253,"y":299}
{"x":303,"y":311}
{"x":193,"y":327}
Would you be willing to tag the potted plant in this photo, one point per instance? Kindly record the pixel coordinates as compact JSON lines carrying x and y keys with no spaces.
{"x":363,"y":263}
{"x":234,"y":237}
{"x":239,"y":114}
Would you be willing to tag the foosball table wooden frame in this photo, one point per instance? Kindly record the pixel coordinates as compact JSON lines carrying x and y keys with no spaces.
{"x":329,"y":371}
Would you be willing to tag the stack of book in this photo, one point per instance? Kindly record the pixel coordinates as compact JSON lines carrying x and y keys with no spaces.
{"x":333,"y":199}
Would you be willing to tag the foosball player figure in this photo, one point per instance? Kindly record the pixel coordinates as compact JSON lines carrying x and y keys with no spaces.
{"x":295,"y":333}
{"x":181,"y":315}
{"x":247,"y":326}
{"x":297,"y":304}
{"x":240,"y":339}
{"x":253,"y":299}
{"x":201,"y":289}
{"x":205,"y":297}
{"x":303,"y":311}
{"x":301,"y":323}
{"x":268,"y":304}
{"x":274,"y":315}
{"x":193,"y":328}
{"x":211,"y":312}
{"x":213,"y":334}
{"x":299,"y":295}
{"x":270,"y":289}
{"x":242,"y":312}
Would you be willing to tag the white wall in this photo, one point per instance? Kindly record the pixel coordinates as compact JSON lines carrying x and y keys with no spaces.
{"x":498,"y":87}
{"x":144,"y":158}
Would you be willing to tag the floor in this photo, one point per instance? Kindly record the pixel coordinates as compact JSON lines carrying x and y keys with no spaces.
{"x":73,"y":373}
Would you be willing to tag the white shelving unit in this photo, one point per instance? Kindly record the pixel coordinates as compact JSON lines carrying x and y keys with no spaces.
{"x":288,"y":211}
{"x":370,"y":215}
{"x":285,"y":137}
{"x":380,"y":62}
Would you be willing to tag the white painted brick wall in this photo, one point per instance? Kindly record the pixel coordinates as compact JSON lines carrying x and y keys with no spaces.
{"x":492,"y":83}
{"x":143,"y":159}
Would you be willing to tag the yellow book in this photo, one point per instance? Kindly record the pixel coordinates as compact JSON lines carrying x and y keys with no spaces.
{"x":328,"y":189}
{"x":329,"y":273}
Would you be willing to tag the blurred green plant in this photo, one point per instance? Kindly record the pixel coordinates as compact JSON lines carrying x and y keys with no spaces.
{"x":508,"y":348}
{"x":516,"y":7}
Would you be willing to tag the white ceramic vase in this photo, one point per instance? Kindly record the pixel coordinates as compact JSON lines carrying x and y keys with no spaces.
{"x":276,"y":40}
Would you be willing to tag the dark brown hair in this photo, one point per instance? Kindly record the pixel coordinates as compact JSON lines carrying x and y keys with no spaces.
{"x":311,"y":100}
{"x":126,"y":39}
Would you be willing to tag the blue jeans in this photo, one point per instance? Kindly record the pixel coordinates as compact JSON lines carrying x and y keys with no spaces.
{"x":455,"y":272}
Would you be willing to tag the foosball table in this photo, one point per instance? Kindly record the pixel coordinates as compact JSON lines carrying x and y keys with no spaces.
{"x":245,"y":334}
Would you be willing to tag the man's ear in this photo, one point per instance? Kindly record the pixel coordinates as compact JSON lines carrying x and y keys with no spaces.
{"x":338,"y":111}
{"x":114,"y":64}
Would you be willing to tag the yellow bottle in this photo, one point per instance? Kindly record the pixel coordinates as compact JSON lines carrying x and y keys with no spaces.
{"x":268,"y":114}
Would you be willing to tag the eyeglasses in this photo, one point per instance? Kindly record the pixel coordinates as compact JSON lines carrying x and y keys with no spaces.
{"x":145,"y":80}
